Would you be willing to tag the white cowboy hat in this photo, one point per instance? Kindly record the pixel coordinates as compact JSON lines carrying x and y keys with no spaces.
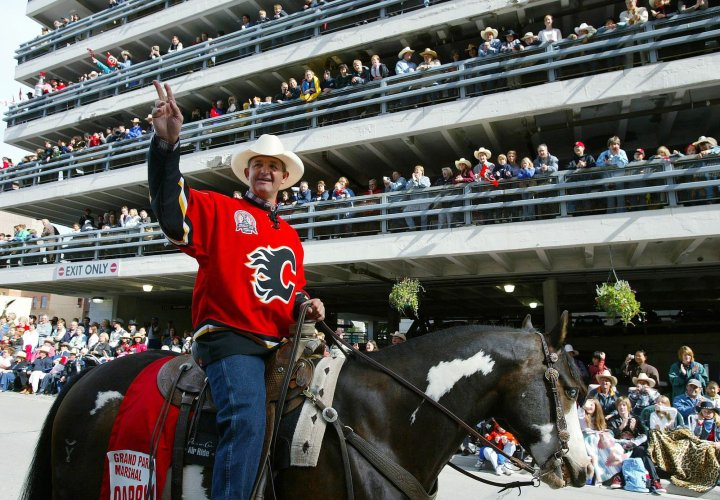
{"x":429,"y":52}
{"x":268,"y":145}
{"x":703,"y":139}
{"x":585,"y":27}
{"x":571,"y":350}
{"x":606,"y":374}
{"x":405,"y":51}
{"x":45,"y":349}
{"x":527,"y":35}
{"x":487,"y":30}
{"x":400,"y":336}
{"x":644,"y":377}
{"x":487,"y":152}
{"x":463,"y":161}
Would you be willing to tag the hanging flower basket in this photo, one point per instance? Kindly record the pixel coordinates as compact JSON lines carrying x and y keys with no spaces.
{"x":618,"y":300}
{"x":404,"y":296}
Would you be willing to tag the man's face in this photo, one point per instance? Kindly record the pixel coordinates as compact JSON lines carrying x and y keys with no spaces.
{"x":693,"y":391}
{"x":482,"y":157}
{"x":321,"y":188}
{"x":579,"y":150}
{"x":277,"y":9}
{"x":395,"y":176}
{"x":293,"y":83}
{"x":245,"y":19}
{"x":615,"y":148}
{"x":303,"y":187}
{"x":407,"y":56}
{"x":639,"y":156}
{"x":640,"y":357}
{"x":357,"y":65}
{"x":73,"y":325}
{"x":397,"y":340}
{"x":283,"y":87}
{"x":542,"y":152}
{"x":266,"y":175}
{"x":372,"y":184}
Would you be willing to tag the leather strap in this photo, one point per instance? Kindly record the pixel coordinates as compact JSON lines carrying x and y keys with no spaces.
{"x":473,"y":432}
{"x":157,"y":433}
{"x":178,"y":456}
{"x":330,"y":416}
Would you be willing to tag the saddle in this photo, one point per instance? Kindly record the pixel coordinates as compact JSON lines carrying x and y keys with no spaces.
{"x":184,"y":384}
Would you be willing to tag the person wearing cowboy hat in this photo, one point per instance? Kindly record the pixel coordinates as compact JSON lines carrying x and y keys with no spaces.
{"x":583,"y":32}
{"x":491,"y":44}
{"x":430,"y":60}
{"x":529,"y":40}
{"x":606,"y":392}
{"x":465,"y":172}
{"x":136,"y":130}
{"x":484,"y":168}
{"x":707,"y":425}
{"x":471,"y":50}
{"x":510,"y":43}
{"x":138,"y":343}
{"x":706,"y":146}
{"x":238,"y":317}
{"x":398,"y":338}
{"x":40,"y":367}
{"x":643,"y":394}
{"x":127,"y":60}
{"x":404,"y":65}
{"x":687,"y":403}
{"x":20,"y":373}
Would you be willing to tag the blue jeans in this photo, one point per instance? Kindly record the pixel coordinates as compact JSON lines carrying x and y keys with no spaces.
{"x":238,"y":390}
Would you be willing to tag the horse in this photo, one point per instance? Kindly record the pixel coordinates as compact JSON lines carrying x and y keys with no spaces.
{"x":475,"y":371}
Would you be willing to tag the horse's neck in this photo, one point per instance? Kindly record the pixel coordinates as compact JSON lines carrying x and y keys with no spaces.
{"x":463,"y":376}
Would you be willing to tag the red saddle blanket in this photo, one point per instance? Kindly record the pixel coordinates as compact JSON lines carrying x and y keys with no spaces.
{"x":127,"y":463}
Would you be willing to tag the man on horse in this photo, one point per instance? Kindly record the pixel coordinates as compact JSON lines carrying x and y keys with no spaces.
{"x":249,"y":286}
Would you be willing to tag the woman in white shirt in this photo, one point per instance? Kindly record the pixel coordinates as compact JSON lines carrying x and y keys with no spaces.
{"x":549,"y":34}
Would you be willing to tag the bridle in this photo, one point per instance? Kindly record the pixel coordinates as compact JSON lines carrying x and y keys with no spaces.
{"x":551,"y":376}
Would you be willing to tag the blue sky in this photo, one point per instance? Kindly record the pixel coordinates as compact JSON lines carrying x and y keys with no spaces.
{"x":17,"y":28}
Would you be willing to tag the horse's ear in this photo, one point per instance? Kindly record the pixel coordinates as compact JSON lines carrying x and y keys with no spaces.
{"x":527,"y":324}
{"x":559,"y":333}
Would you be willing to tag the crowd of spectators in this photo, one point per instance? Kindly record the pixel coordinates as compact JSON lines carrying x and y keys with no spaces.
{"x":491,"y":42}
{"x":623,"y":410}
{"x":39,"y":355}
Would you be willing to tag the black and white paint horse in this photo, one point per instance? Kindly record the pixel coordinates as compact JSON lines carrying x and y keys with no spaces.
{"x":475,"y":371}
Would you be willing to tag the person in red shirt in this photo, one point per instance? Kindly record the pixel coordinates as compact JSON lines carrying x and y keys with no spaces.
{"x":249,"y":285}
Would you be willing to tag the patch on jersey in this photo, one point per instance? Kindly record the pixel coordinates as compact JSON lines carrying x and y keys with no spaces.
{"x":245,"y":222}
{"x":274,"y":274}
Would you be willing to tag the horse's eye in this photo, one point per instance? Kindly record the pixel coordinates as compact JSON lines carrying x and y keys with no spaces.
{"x":572,"y":393}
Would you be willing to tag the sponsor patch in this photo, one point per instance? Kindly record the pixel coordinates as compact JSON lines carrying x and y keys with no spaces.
{"x":245,"y":222}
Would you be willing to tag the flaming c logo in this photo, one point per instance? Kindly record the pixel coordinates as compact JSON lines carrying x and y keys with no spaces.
{"x":274,"y":273}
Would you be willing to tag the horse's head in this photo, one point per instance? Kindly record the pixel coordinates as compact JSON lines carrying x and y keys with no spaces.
{"x":534,"y":418}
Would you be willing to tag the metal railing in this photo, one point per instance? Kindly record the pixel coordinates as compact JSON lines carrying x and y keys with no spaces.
{"x":445,"y":83}
{"x":637,"y":187}
{"x":331,"y":17}
{"x":257,"y":39}
{"x":80,"y":30}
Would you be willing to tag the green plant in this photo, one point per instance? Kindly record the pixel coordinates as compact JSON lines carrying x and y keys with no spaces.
{"x":404,"y":296}
{"x":618,"y":300}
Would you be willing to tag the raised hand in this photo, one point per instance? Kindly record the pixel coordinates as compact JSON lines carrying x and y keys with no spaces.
{"x":167,"y":117}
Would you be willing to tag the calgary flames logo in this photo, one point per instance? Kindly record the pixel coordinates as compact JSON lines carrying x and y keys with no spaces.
{"x":274,"y":272}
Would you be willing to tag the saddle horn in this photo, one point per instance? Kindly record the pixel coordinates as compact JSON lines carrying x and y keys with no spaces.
{"x":527,"y":324}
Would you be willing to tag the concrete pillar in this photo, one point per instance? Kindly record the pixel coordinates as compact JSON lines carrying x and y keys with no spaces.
{"x":550,"y":303}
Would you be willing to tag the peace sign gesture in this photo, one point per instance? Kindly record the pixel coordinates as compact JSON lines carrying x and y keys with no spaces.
{"x":167,"y":117}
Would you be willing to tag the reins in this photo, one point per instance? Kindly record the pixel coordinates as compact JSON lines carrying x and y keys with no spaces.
{"x":396,"y":474}
{"x":551,"y":374}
